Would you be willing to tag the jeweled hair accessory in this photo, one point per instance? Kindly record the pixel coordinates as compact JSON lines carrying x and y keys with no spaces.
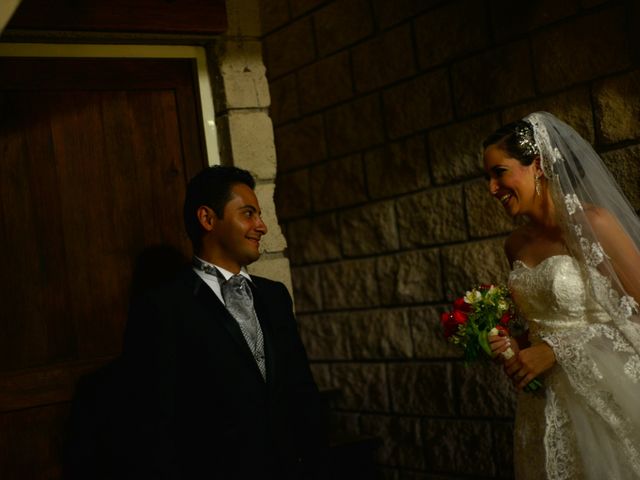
{"x":526,"y":142}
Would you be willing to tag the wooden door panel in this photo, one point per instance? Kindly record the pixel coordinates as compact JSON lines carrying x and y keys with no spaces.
{"x":93,"y":170}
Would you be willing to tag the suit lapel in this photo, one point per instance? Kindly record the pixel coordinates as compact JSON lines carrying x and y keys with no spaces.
{"x":264,"y":317}
{"x":215,"y":310}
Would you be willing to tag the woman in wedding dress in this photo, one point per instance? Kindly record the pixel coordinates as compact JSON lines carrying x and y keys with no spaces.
{"x":575,"y":280}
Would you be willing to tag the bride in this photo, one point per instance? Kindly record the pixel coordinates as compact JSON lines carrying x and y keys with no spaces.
{"x":575,"y":279}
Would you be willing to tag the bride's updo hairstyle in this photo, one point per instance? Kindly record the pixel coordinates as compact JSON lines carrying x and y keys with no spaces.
{"x":517,"y":140}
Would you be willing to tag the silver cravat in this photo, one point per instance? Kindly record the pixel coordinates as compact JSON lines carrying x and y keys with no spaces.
{"x":238,"y":299}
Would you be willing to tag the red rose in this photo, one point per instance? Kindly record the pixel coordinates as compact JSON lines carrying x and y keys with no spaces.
{"x":503,"y":329}
{"x":459,"y":317}
{"x":460,"y":304}
{"x":505,"y":319}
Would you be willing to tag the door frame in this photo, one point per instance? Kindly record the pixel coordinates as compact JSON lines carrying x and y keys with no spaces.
{"x":198,"y":54}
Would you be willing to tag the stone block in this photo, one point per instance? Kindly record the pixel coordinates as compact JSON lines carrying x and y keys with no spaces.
{"x":363,"y":386}
{"x":252,"y":144}
{"x":492,"y":79}
{"x":418,"y":104}
{"x":468,"y":265}
{"x":313,"y":239}
{"x":380,"y":334}
{"x":509,"y":19}
{"x":275,"y":268}
{"x":617,"y":102}
{"x":572,"y":106}
{"x":624,"y":165}
{"x":338,"y":183}
{"x":455,"y":29}
{"x":241,"y":80}
{"x":431,"y":217}
{"x":401,"y":439}
{"x":571,"y":53}
{"x":344,"y":423}
{"x":300,"y":143}
{"x":342,"y":23}
{"x":384,"y":59}
{"x":502,"y":434}
{"x":459,"y":446}
{"x":389,"y":13}
{"x":243,"y":18}
{"x":456,"y":150}
{"x":325,"y":336}
{"x":321,"y":375}
{"x":422,"y":389}
{"x":387,"y":473}
{"x":369,"y":229}
{"x":284,"y":99}
{"x":484,"y":390}
{"x":293,"y":194}
{"x":274,"y":240}
{"x":355,"y":125}
{"x":485,"y":214}
{"x":349,"y":284}
{"x":426,"y":331}
{"x":396,"y":168}
{"x":412,"y":277}
{"x":273,"y":14}
{"x":289,"y":48}
{"x":325,"y":82}
{"x":299,"y":7}
{"x":307,"y":289}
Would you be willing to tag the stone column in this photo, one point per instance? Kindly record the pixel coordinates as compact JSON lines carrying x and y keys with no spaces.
{"x":245,"y":131}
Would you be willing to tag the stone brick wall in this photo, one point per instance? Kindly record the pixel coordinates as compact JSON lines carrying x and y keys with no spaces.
{"x":245,"y":131}
{"x":379,"y":108}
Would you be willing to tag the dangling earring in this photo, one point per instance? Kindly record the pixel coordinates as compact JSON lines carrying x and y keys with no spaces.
{"x":537,"y":182}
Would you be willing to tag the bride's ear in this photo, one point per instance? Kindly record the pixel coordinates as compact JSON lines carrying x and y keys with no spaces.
{"x":537,"y":167}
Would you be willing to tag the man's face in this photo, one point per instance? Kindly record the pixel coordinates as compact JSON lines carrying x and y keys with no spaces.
{"x":235,"y":237}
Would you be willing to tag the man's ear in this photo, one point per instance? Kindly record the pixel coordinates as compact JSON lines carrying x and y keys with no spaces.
{"x":206,"y":217}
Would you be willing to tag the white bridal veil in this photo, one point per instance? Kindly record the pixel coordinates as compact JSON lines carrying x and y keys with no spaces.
{"x":597,"y":407}
{"x":583,"y":191}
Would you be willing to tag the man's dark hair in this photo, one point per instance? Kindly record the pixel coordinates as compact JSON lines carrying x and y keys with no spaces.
{"x":211,"y":187}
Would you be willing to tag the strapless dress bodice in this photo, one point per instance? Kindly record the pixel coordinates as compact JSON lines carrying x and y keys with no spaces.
{"x":552,"y":296}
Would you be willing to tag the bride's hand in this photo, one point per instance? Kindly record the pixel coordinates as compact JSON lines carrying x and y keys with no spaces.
{"x":530,"y":363}
{"x":500,"y":344}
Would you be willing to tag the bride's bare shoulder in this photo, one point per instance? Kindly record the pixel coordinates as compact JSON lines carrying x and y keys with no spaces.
{"x":516,"y":242}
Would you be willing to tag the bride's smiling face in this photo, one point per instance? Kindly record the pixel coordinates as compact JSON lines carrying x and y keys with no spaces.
{"x":510,"y":182}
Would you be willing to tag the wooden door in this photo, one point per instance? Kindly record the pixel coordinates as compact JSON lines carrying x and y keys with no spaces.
{"x":94,"y":159}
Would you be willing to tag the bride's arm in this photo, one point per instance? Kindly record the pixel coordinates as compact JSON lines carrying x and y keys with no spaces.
{"x":620,"y":249}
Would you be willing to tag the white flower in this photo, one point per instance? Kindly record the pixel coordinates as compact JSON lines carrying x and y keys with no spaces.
{"x":503,"y":305}
{"x":472,"y":297}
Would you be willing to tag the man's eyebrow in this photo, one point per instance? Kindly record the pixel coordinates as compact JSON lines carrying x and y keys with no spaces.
{"x":248,"y":207}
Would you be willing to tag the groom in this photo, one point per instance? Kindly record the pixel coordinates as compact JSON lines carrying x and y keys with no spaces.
{"x":220,"y":379}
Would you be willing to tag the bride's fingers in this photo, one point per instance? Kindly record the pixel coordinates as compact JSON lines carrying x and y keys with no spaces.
{"x":525,"y":380}
{"x":512,"y":367}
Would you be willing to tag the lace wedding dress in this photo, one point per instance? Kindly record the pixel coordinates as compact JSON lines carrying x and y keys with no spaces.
{"x":585,"y":423}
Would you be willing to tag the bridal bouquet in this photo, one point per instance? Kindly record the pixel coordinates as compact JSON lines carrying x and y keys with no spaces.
{"x":481,"y":312}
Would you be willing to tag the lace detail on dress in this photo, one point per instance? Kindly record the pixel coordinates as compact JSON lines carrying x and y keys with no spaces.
{"x":594,"y":359}
{"x":560,"y":462}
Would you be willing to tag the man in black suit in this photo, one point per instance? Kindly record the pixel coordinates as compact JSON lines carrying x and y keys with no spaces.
{"x":220,"y":386}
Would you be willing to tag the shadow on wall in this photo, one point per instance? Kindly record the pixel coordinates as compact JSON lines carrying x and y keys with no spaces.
{"x":98,"y":444}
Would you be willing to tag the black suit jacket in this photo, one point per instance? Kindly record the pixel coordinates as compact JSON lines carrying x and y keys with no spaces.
{"x":198,"y":404}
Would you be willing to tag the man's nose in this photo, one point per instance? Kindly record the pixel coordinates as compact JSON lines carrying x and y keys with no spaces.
{"x":261,"y":226}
